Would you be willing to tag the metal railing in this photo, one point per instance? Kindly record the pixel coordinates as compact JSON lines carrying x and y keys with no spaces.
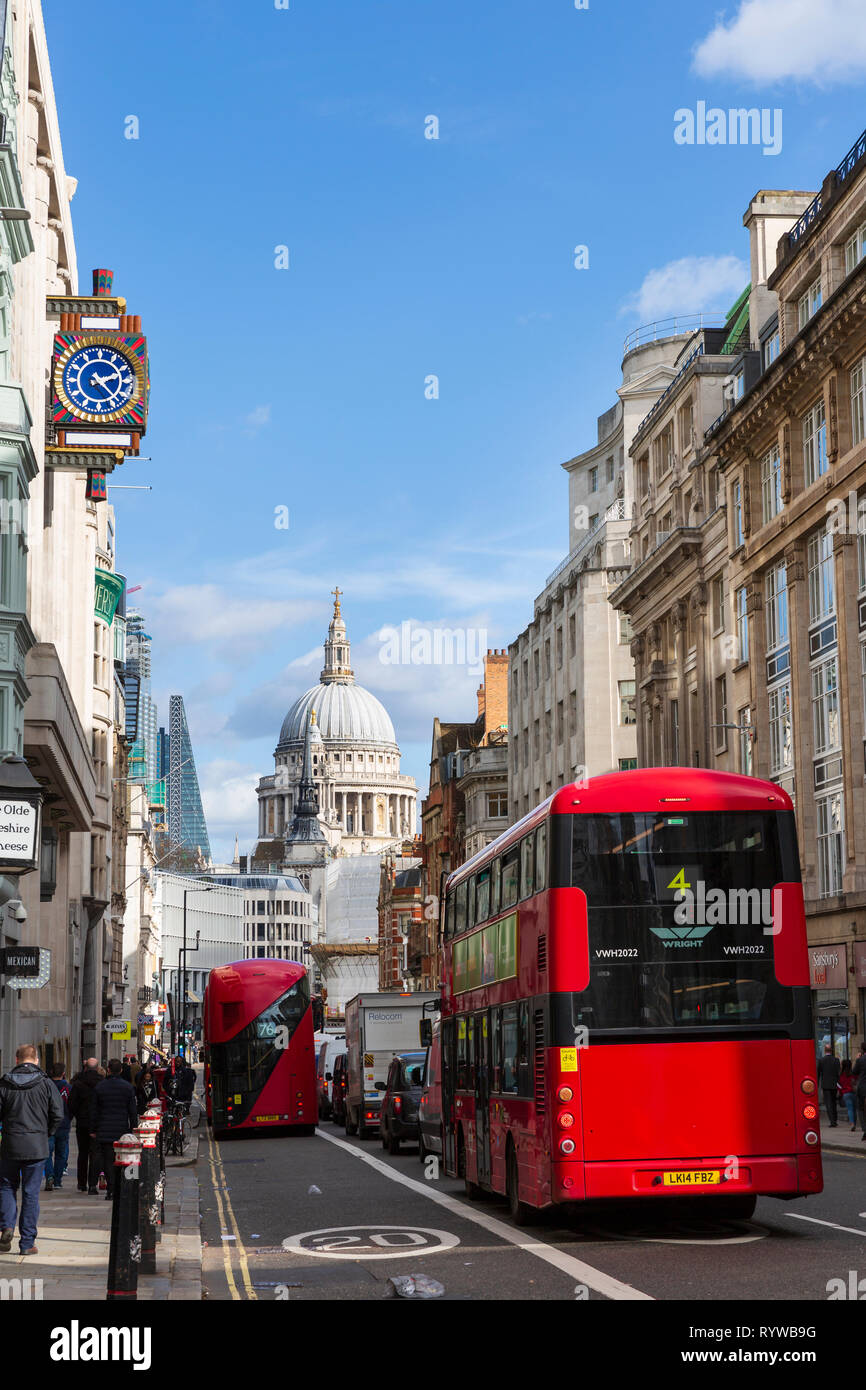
{"x":678,"y":327}
{"x":615,"y":512}
{"x":842,"y":171}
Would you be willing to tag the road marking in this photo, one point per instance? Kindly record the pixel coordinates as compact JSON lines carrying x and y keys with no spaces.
{"x":576,"y":1269}
{"x":339,"y":1242}
{"x":852,"y":1230}
{"x":218,"y":1175}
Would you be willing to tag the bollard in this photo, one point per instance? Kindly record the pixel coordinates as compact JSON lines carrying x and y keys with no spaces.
{"x":125,"y":1249}
{"x":148,"y":1207}
{"x":154,"y":1112}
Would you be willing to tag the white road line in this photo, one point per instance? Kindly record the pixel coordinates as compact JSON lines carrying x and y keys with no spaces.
{"x":852,"y":1230}
{"x":576,"y":1269}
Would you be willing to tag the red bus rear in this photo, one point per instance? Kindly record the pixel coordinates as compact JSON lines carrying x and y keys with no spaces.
{"x":260,"y":1060}
{"x":626,"y":1003}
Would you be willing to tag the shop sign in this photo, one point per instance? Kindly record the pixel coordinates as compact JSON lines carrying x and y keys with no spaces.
{"x":827,"y":967}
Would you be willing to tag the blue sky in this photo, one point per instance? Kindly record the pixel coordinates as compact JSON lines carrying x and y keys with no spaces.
{"x":304,"y":388}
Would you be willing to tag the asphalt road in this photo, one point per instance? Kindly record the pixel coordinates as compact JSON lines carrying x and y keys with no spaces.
{"x":292,"y":1218}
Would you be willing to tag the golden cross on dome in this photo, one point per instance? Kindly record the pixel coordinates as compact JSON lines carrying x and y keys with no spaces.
{"x":336,"y":592}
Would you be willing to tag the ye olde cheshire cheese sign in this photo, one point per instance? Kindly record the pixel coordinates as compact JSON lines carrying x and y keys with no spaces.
{"x":18,"y":820}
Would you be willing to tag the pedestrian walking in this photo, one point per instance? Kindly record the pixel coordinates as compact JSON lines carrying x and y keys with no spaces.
{"x":828,"y":1079}
{"x":30,"y":1111}
{"x":145,"y":1090}
{"x":858,"y":1073}
{"x":113,"y":1114}
{"x":58,"y":1142}
{"x":181,"y":1085}
{"x":847,"y":1092}
{"x":134,"y":1067}
{"x":80,"y":1104}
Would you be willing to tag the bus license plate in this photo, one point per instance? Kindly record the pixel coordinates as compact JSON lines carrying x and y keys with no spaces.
{"x":266,"y":1119}
{"x":692,"y":1177}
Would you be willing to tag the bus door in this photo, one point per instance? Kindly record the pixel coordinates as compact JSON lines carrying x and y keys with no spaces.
{"x":482,"y":1098}
{"x":449,"y":1062}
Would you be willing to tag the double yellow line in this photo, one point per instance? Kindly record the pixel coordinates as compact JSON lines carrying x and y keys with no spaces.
{"x":224,"y":1208}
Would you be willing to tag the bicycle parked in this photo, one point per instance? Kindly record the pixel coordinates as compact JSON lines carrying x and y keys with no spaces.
{"x":176,"y":1127}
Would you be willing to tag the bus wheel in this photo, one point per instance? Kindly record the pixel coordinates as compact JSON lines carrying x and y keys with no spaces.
{"x":521,"y":1214}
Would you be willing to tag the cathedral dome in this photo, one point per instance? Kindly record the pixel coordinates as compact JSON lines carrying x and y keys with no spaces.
{"x":344,"y":713}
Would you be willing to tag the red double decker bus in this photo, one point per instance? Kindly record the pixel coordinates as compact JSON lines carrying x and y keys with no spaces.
{"x":626,"y":1004}
{"x":260,"y":1059}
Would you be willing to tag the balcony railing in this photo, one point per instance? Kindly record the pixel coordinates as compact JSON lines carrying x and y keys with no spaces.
{"x":615,"y":512}
{"x":678,"y":327}
{"x":842,"y":171}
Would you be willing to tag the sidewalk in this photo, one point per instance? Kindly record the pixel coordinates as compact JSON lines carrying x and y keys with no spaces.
{"x":841,"y":1137}
{"x":74,"y":1234}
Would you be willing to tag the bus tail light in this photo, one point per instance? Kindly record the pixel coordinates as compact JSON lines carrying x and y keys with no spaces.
{"x":566,"y":1119}
{"x":565,"y":1094}
{"x":810,"y":1137}
{"x":807,"y":1087}
{"x":810,"y":1112}
{"x":566,"y":1146}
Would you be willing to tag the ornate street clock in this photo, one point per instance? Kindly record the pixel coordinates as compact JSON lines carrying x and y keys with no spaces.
{"x":100,"y":383}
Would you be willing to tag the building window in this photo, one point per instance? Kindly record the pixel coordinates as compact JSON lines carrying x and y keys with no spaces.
{"x":742,"y":624}
{"x":627,"y":764}
{"x":664,"y":452}
{"x":721,"y":711}
{"x":572,"y":635}
{"x":558,"y":648}
{"x":822,"y":586}
{"x":572,"y":712}
{"x":593,"y":480}
{"x":830,"y":856}
{"x":781,"y":748}
{"x":863,"y":675}
{"x":858,"y":402}
{"x":772,"y":347}
{"x":610,"y":470}
{"x":771,"y":484}
{"x":497,"y":805}
{"x":627,"y":712}
{"x":536,"y":667}
{"x":675,"y":732}
{"x":825,"y":707}
{"x":739,"y":536}
{"x":643,"y":475}
{"x":776,"y":607}
{"x":593,"y":522}
{"x":815,"y":443}
{"x":719,"y":604}
{"x":809,"y":303}
{"x":744,"y":723}
{"x":855,"y":249}
{"x":626,"y":631}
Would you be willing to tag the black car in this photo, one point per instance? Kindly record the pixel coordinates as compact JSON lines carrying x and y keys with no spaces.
{"x":399,"y":1115}
{"x":339,"y":1086}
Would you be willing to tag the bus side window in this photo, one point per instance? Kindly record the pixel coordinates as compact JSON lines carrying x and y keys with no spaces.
{"x":510,"y":877}
{"x":470,"y":905}
{"x":495,"y":883}
{"x":495,"y":1049}
{"x":509,"y":1049}
{"x":482,"y":896}
{"x":460,"y":1078}
{"x":527,"y":856}
{"x":541,"y":857}
{"x":449,"y":914}
{"x":470,"y":1054}
{"x":524,"y":1051}
{"x":460,"y":916}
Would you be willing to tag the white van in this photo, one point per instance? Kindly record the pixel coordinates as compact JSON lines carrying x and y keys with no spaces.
{"x":332,"y":1045}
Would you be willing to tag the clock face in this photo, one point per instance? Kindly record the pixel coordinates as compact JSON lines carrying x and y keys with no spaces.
{"x":98,"y":381}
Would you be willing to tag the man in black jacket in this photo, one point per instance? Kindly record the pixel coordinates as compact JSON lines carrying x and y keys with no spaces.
{"x":80,"y":1102}
{"x":829,"y":1068}
{"x":114,"y":1112}
{"x":30,"y":1111}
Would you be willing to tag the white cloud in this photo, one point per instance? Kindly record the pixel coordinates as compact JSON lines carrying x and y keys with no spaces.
{"x":228,"y":793}
{"x":695,"y":284}
{"x":820,"y":41}
{"x":258,"y":418}
{"x":194,"y":613}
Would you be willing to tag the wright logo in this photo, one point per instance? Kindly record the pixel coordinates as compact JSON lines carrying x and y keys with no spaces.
{"x":696,"y":913}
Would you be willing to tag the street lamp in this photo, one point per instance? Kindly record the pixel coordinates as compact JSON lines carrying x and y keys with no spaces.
{"x":202,"y":888}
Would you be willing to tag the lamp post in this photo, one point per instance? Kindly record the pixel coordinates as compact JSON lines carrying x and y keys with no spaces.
{"x":202,"y":888}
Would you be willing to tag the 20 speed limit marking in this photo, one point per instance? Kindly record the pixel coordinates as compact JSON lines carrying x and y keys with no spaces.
{"x":371,"y":1242}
